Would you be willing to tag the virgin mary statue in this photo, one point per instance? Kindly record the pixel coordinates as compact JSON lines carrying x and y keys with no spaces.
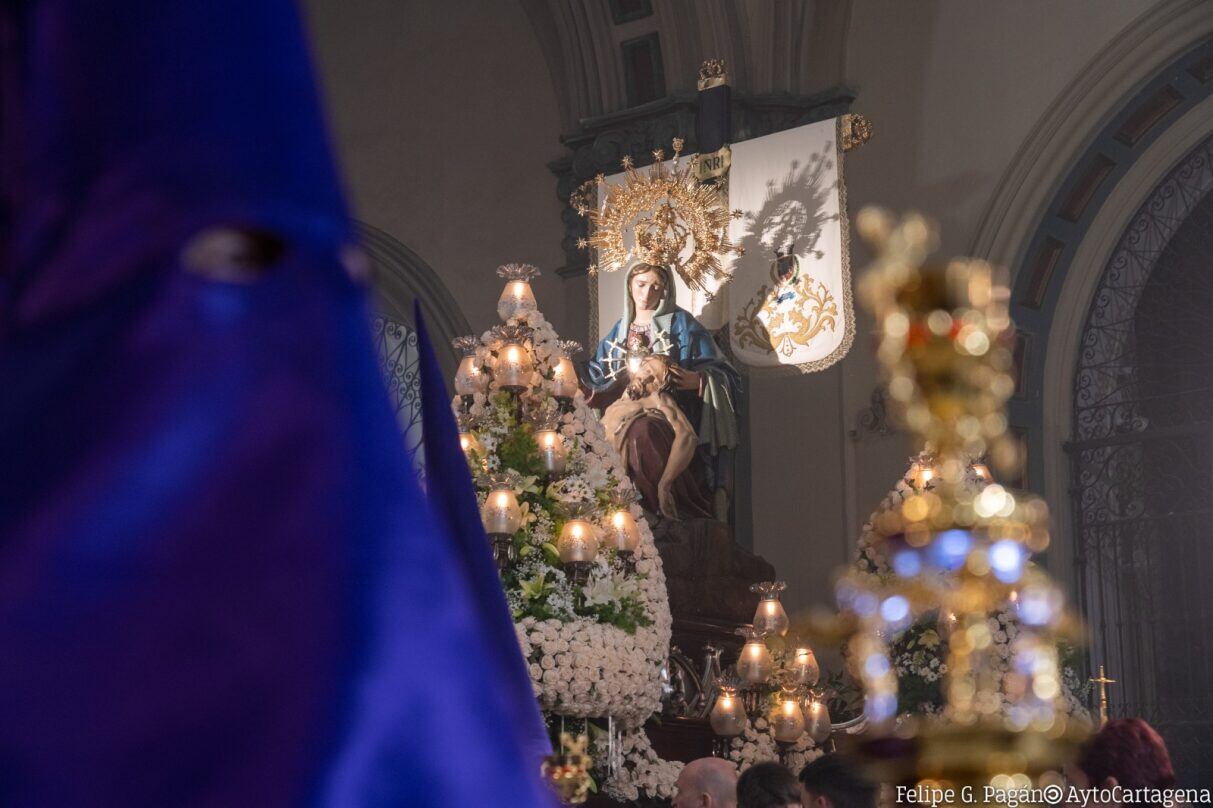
{"x":702,"y":382}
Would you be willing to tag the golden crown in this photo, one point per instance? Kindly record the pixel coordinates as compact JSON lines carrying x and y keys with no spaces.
{"x":674,"y":221}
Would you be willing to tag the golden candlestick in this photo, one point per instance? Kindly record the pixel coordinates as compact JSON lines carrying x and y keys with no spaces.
{"x":1103,"y":681}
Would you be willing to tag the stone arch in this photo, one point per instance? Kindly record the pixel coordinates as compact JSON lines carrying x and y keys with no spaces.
{"x":1099,"y":150}
{"x":402,"y":277}
{"x":1141,"y":454}
{"x":769,"y":47}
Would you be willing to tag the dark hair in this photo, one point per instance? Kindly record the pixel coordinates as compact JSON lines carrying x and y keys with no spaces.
{"x":837,"y":779}
{"x":767,"y":785}
{"x":1130,"y":750}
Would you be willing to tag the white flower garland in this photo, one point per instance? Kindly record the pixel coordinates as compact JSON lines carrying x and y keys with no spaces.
{"x":581,"y":667}
{"x":642,"y":771}
{"x":757,"y":744}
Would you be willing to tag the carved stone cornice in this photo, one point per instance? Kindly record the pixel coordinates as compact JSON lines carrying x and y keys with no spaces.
{"x":601,"y":142}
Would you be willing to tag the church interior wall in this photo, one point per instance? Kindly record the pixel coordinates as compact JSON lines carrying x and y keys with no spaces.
{"x":953,"y":89}
{"x":444,"y":119}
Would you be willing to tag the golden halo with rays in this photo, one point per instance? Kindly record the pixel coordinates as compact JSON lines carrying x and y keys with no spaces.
{"x":667,"y":210}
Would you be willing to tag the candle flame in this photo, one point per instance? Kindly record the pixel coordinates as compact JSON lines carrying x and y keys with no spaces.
{"x":502,"y":499}
{"x":619,"y":519}
{"x":512,"y":354}
{"x":519,"y":288}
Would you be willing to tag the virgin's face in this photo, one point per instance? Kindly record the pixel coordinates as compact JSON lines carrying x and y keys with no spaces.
{"x":648,"y":288}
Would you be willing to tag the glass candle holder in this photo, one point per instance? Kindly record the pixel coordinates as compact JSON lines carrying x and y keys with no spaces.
{"x":754,"y":664}
{"x":770,"y":617}
{"x":551,"y":449}
{"x":817,"y":721}
{"x":564,"y":378}
{"x":922,"y":473}
{"x":577,"y":542}
{"x":564,"y":375}
{"x":635,"y":359}
{"x":513,"y":364}
{"x":517,"y":297}
{"x":804,"y":668}
{"x":501,"y":513}
{"x":622,"y":531}
{"x":470,"y":445}
{"x":728,"y":716}
{"x":787,"y":720}
{"x":470,"y":377}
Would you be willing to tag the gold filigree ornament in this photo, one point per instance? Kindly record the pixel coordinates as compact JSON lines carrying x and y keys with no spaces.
{"x":672,"y":220}
{"x":788,"y":314}
{"x":568,"y":771}
{"x":959,"y":553}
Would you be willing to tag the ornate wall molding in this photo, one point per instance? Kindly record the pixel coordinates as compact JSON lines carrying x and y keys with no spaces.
{"x":770,"y":47}
{"x":1067,"y":129}
{"x":873,"y":420}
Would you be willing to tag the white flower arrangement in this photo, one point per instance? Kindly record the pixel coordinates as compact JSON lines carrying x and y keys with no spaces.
{"x":642,"y":772}
{"x":597,"y":650}
{"x":757,"y":744}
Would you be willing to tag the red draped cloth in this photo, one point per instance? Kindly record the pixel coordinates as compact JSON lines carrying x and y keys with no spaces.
{"x":647,"y":445}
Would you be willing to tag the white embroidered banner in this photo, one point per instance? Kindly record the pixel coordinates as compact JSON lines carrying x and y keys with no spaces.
{"x":789,"y":301}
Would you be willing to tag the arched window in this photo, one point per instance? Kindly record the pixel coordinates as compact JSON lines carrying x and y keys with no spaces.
{"x":1142,"y":460}
{"x":396,"y":344}
{"x":401,"y":279}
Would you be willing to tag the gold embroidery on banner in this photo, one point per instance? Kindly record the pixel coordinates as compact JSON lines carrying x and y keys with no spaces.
{"x":789,"y":314}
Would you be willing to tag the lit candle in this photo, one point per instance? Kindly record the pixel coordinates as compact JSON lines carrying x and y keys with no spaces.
{"x":501,"y":514}
{"x":636,"y":360}
{"x":817,"y":721}
{"x":624,"y":533}
{"x":754,"y":662}
{"x":921,"y":474}
{"x":513,"y":365}
{"x":517,"y":297}
{"x":787,"y":721}
{"x":470,"y":445}
{"x":551,"y":450}
{"x":804,"y":667}
{"x":564,"y":374}
{"x":470,"y":377}
{"x":770,"y":617}
{"x":728,"y":716}
{"x":577,"y":542}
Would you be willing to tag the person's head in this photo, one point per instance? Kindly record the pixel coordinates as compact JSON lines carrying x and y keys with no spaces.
{"x":767,"y":785}
{"x":1125,"y":752}
{"x":833,"y":781}
{"x":706,"y":783}
{"x":648,"y":285}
